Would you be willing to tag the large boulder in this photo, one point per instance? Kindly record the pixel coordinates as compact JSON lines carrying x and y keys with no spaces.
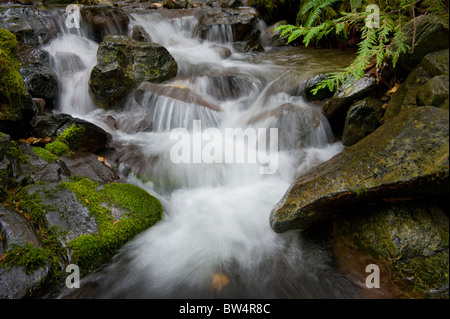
{"x":122,"y":64}
{"x":408,"y":241}
{"x":425,"y":34}
{"x":427,"y":84}
{"x":404,"y":158}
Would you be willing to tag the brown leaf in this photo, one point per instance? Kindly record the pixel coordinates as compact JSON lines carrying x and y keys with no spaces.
{"x":218,"y":281}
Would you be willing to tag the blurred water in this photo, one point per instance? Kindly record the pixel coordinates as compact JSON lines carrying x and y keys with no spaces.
{"x":214,"y":240}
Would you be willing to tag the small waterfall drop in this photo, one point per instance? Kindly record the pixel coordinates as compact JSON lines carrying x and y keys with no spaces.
{"x":216,"y":213}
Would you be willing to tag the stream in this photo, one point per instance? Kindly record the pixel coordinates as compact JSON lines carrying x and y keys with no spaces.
{"x":214,"y":239}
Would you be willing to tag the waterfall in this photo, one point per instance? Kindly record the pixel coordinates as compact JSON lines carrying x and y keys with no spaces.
{"x":216,"y":213}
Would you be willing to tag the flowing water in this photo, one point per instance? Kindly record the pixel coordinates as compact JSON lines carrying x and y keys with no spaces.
{"x":214,"y":239}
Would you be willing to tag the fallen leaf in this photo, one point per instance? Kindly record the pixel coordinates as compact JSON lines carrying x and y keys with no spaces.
{"x":393,"y":89}
{"x":219,"y":281}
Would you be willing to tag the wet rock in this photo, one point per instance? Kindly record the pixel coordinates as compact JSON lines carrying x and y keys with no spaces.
{"x":122,"y":64}
{"x":431,"y":34}
{"x":180,"y":93}
{"x":248,"y":46}
{"x":243,"y":21}
{"x":89,"y":138}
{"x":16,"y":231}
{"x":298,"y":126}
{"x":223,"y":51}
{"x":104,"y":20}
{"x":139,"y":34}
{"x":427,"y":83}
{"x":177,"y":4}
{"x":434,"y":92}
{"x":335,"y":109}
{"x":65,"y":63}
{"x":311,"y":84}
{"x":406,"y":157}
{"x":40,"y":104}
{"x":363,"y":118}
{"x":41,"y":82}
{"x":271,"y":38}
{"x":409,"y":239}
{"x":27,"y":23}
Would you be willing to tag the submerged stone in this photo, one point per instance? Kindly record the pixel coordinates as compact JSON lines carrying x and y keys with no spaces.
{"x":405,"y":157}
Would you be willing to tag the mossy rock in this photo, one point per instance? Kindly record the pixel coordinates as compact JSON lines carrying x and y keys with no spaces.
{"x":404,"y":158}
{"x":122,"y":64}
{"x":427,"y":84}
{"x":16,"y":106}
{"x":90,"y":219}
{"x":410,"y":239}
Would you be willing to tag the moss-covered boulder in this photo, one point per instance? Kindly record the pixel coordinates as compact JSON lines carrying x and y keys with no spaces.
{"x":427,"y":84}
{"x":122,"y":64}
{"x":91,"y":220}
{"x":409,"y":242}
{"x":17,"y":108}
{"x":404,"y":158}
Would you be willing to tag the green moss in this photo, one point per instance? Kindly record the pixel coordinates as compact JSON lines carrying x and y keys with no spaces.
{"x":8,"y":42}
{"x":45,"y":154}
{"x":144,"y":210}
{"x":58,"y":147}
{"x":11,"y":82}
{"x":28,"y":256}
{"x":72,"y":135}
{"x":15,"y":152}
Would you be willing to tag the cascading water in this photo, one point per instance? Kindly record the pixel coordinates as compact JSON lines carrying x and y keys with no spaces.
{"x":214,"y":240}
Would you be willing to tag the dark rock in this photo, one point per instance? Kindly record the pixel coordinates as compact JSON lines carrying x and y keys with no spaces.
{"x":271,"y":38}
{"x":41,"y":82}
{"x":311,"y":84}
{"x":409,"y":239}
{"x":431,"y":34}
{"x":139,"y":34}
{"x":40,"y":104}
{"x":104,"y":20}
{"x":30,"y":24}
{"x":16,"y":231}
{"x":336,"y":108}
{"x":406,"y":157}
{"x":243,"y":21}
{"x":248,"y":46}
{"x":363,"y":118}
{"x":122,"y":64}
{"x":92,"y":139}
{"x":435,"y":68}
